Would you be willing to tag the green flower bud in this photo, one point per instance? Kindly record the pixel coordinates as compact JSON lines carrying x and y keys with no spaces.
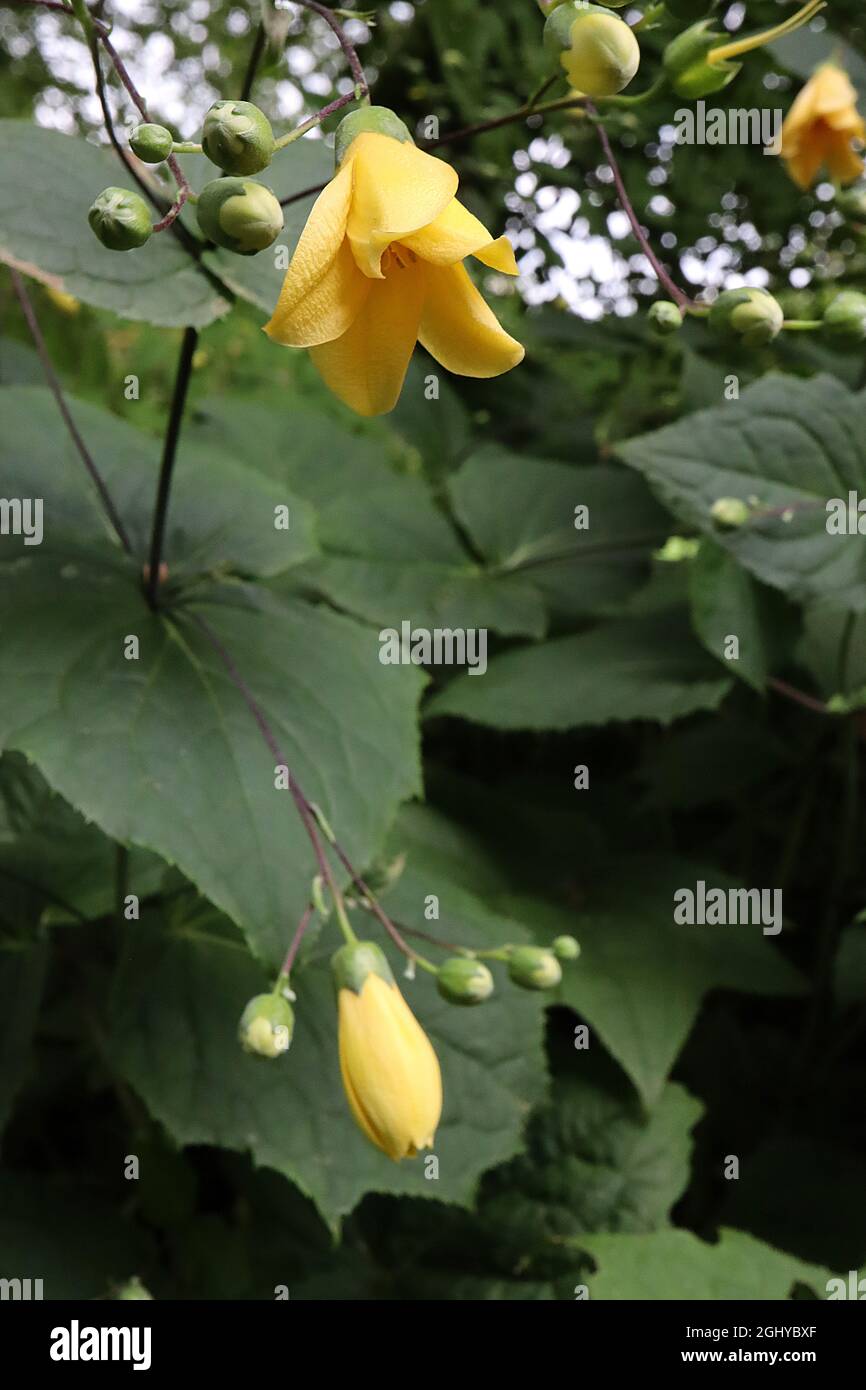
{"x":686,"y":66}
{"x":597,"y":49}
{"x":378,"y":119}
{"x":121,"y":219}
{"x":152,"y":143}
{"x":237,"y":136}
{"x":239,"y":214}
{"x":534,"y":967}
{"x":844,"y":320}
{"x":351,"y":965}
{"x":664,"y":317}
{"x":730,"y":511}
{"x":751,"y":314}
{"x":462,"y":980}
{"x":266,"y":1025}
{"x":566,"y":948}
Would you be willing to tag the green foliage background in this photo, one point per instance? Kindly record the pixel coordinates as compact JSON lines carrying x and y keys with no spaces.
{"x":558,"y":1166}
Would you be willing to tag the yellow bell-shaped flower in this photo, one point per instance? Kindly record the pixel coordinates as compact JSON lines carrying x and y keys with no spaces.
{"x":379,"y":266}
{"x":820,"y":128}
{"x":390,"y":1072}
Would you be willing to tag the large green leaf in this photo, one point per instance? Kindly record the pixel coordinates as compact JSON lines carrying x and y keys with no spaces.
{"x":49,"y":181}
{"x":641,"y":978}
{"x":56,"y":865}
{"x":785,"y":448}
{"x":648,"y":668}
{"x":521,"y":514}
{"x":222,"y":515}
{"x":676,"y":1265}
{"x":178,"y":999}
{"x":161,"y":750}
{"x":389,"y":553}
{"x":727,"y":602}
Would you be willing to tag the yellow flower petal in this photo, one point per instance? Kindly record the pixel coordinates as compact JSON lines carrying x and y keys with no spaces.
{"x":499,"y":255}
{"x":327,"y":309}
{"x":398,"y":189}
{"x":317,"y":272}
{"x":366,"y":366}
{"x":455,"y":234}
{"x":459,"y":329}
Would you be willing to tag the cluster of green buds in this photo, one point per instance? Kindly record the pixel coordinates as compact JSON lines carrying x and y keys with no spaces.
{"x":466,"y":980}
{"x":597,"y":49}
{"x":234,"y":211}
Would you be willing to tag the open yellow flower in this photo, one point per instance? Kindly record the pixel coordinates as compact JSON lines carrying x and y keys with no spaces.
{"x":390,"y":1072}
{"x":820,"y":129}
{"x":379,"y":266}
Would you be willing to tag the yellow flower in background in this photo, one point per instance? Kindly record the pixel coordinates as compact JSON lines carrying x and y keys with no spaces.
{"x":379,"y":266}
{"x":820,"y":129}
{"x":390,"y":1072}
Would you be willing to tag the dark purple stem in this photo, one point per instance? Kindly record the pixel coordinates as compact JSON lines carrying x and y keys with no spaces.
{"x":57,"y":391}
{"x":296,"y":941}
{"x":676,"y":294}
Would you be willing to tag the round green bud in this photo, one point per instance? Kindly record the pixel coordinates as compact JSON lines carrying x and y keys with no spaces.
{"x":851,"y":202}
{"x":664,"y":317}
{"x":750,"y":314}
{"x":565,"y":947}
{"x":239,"y":214}
{"x":379,"y":120}
{"x":462,"y":980}
{"x":266,"y":1025}
{"x":121,"y":219}
{"x":151,"y":143}
{"x":730,"y":511}
{"x":844,"y":319}
{"x":237,"y":136}
{"x":534,"y":967}
{"x":685,"y":62}
{"x":597,"y":49}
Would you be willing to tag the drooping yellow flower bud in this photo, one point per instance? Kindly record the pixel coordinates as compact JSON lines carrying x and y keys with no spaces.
{"x":390,"y":1072}
{"x":379,"y":266}
{"x":820,"y":128}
